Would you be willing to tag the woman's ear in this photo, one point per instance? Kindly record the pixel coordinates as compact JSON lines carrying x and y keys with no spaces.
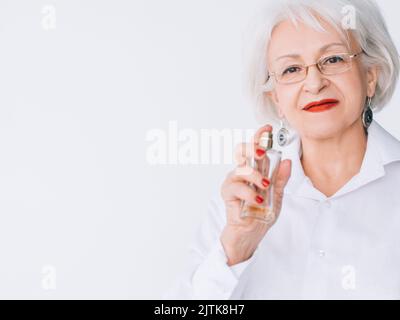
{"x":272,"y":95}
{"x":372,"y":80}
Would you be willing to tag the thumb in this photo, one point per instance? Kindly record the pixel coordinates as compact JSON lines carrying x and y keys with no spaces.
{"x":283,"y":175}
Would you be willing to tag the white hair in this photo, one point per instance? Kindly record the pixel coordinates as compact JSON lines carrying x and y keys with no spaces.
{"x":370,"y":32}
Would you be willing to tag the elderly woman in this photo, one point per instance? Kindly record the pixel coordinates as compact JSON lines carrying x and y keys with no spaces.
{"x":320,"y":68}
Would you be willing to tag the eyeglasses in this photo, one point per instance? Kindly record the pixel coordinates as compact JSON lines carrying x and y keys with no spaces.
{"x":331,"y":65}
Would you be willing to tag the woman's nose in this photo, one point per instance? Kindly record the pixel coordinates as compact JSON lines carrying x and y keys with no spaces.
{"x":315,"y":81}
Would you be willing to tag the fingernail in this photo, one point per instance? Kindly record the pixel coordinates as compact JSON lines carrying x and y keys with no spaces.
{"x":265,"y":182}
{"x":259,"y":199}
{"x":260,"y":152}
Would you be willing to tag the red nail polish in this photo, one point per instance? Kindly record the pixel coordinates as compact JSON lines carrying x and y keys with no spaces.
{"x":260,"y":152}
{"x":265,"y":182}
{"x":259,"y":199}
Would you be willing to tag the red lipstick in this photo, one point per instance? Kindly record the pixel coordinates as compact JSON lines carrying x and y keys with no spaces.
{"x":319,"y":106}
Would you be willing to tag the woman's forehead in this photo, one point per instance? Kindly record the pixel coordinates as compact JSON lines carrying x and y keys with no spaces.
{"x":288,"y":39}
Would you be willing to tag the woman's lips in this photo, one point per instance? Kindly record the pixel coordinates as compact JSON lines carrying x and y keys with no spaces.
{"x":320,"y":106}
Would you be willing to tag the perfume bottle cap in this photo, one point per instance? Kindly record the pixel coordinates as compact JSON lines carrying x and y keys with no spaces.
{"x":266,"y":140}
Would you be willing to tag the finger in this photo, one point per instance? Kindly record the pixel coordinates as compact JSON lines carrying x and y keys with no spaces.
{"x":243,"y":151}
{"x":283,"y":175}
{"x":241,"y":191}
{"x":250,"y":175}
{"x":280,"y":183}
{"x":282,"y":178}
{"x":259,"y":152}
{"x":259,"y":132}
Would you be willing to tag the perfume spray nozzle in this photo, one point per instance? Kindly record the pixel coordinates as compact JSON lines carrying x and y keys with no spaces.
{"x":266,"y":140}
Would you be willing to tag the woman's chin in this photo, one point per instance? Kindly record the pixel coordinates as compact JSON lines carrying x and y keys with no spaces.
{"x":323,"y":131}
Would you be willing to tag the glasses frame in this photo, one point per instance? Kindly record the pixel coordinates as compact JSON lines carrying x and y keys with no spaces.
{"x":318,"y":65}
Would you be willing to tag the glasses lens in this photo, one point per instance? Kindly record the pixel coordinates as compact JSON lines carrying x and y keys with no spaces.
{"x":291,"y":74}
{"x":335,"y":64}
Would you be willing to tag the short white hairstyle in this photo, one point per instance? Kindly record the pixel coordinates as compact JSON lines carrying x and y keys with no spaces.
{"x":370,"y":32}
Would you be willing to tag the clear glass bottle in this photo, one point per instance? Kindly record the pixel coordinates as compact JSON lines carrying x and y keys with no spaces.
{"x":268,"y":167}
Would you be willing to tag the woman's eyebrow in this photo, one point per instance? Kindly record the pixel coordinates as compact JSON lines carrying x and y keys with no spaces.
{"x":323,"y":48}
{"x":336,"y":44}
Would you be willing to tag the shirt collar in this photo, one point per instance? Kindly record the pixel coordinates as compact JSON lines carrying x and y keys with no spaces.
{"x":382,"y":149}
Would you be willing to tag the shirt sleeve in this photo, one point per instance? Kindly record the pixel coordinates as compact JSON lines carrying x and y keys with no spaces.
{"x":207,"y":275}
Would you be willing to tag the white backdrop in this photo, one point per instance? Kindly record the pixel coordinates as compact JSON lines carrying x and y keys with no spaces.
{"x":84,"y":85}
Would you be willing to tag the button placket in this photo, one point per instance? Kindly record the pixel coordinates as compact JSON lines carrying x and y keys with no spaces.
{"x":324,"y":206}
{"x":319,"y":256}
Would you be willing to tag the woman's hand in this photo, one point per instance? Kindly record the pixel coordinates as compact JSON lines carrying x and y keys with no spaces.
{"x":241,"y":236}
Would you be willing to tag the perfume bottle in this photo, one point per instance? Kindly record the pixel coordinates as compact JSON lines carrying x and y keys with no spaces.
{"x":268,"y":167}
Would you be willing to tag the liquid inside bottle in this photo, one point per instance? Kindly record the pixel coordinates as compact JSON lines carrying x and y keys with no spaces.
{"x":268,"y":167}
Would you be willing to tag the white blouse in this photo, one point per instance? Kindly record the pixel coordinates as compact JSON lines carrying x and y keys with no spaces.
{"x":346,"y":246}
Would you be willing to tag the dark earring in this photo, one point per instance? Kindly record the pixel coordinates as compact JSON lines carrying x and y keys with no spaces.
{"x":368,"y":115}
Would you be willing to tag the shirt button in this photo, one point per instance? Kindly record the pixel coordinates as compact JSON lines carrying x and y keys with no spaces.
{"x":321,"y":253}
{"x":326,"y":204}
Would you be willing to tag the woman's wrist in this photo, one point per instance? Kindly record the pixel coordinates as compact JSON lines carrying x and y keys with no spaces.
{"x":237,"y":249}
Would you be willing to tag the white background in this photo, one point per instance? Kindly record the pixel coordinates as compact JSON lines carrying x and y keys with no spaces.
{"x":77,"y":101}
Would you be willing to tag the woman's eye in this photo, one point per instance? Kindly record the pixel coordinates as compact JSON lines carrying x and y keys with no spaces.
{"x":291,"y":70}
{"x":333,"y":60}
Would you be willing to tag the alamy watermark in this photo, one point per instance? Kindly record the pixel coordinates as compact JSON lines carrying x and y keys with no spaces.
{"x":349,"y":20}
{"x":348,"y":277}
{"x":49,"y":277}
{"x":49,"y":17}
{"x":174,"y":146}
